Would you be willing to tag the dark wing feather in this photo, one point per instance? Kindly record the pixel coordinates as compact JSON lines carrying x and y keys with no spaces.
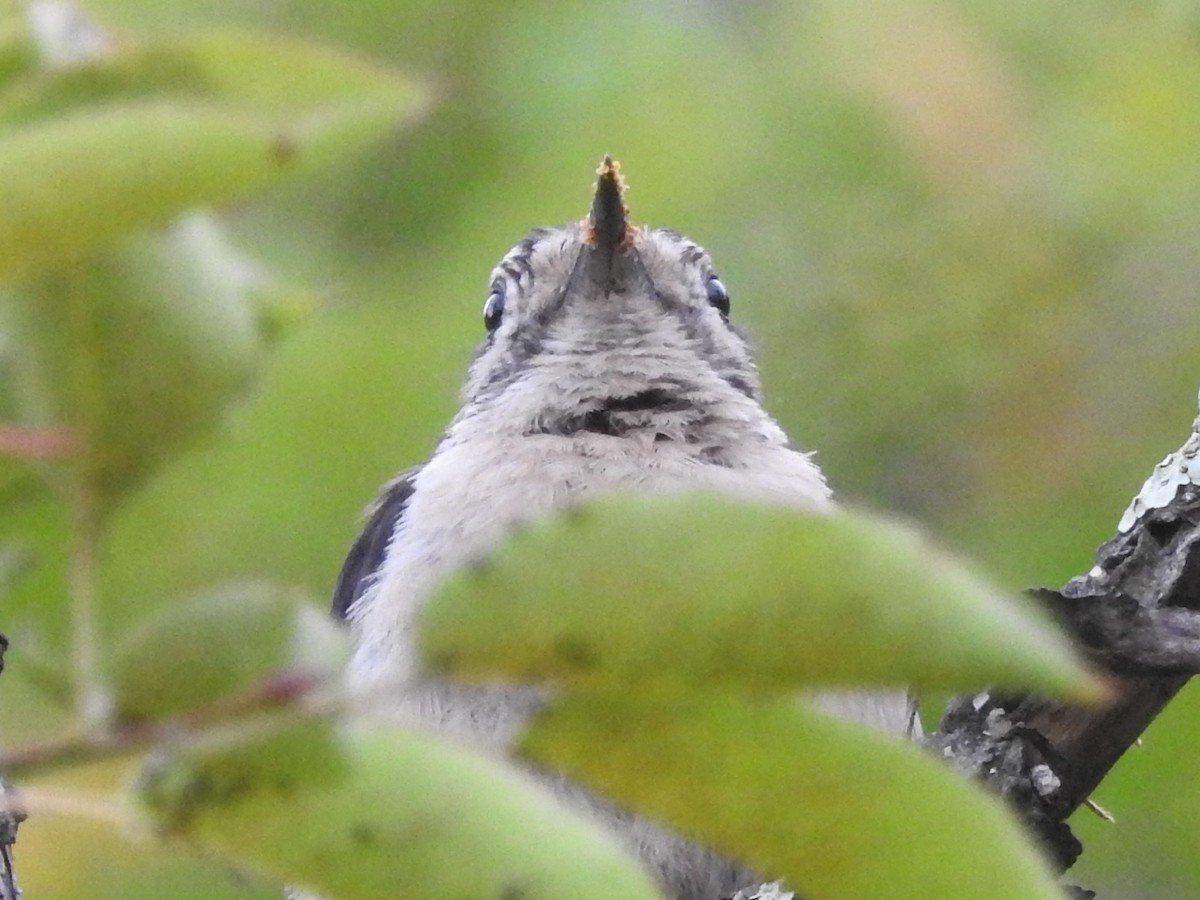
{"x":370,"y":547}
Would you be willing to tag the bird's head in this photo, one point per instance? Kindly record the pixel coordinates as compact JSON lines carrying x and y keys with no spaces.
{"x":599,"y":312}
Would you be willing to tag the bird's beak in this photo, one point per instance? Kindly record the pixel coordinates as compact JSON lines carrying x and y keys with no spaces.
{"x":608,"y":259}
{"x":607,"y":228}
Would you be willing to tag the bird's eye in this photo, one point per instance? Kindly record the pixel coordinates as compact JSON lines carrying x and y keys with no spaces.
{"x":493,"y":307}
{"x":717,"y":295}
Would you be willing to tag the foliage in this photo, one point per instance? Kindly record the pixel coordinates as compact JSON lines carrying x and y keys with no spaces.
{"x":710,"y":593}
{"x":962,"y":235}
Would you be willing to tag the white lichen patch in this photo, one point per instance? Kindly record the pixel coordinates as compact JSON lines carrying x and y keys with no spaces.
{"x":1175,"y":471}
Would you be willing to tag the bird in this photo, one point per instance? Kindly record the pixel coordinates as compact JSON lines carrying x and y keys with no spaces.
{"x":611,"y":364}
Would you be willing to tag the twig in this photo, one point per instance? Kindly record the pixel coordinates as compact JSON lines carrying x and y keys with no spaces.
{"x":51,"y":802}
{"x":274,"y":693}
{"x":36,"y":443}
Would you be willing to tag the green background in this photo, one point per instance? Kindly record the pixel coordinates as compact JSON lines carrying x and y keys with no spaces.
{"x":963,"y":236}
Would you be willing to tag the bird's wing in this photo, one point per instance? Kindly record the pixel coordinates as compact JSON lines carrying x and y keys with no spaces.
{"x":370,"y":547}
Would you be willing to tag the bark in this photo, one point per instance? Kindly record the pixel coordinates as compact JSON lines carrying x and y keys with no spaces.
{"x":11,"y":817}
{"x":1136,"y":615}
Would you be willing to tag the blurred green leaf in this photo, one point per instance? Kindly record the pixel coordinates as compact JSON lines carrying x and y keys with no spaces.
{"x":278,"y":493}
{"x":45,"y":671}
{"x":17,"y":52}
{"x":73,"y":856}
{"x":137,"y":350}
{"x":378,"y":813}
{"x":14,"y":562}
{"x":79,"y":844}
{"x":33,"y":518}
{"x":701,"y":590}
{"x":95,"y":150}
{"x":219,"y":643}
{"x":836,"y":810}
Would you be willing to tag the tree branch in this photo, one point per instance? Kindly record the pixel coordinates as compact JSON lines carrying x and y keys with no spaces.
{"x":11,"y":816}
{"x":1136,"y":614}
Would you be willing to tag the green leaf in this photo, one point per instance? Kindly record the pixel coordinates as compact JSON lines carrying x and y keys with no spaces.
{"x":18,"y":55}
{"x":77,"y":856}
{"x":379,"y":813}
{"x":96,"y":150}
{"x":836,"y":810}
{"x":218,"y":643}
{"x":700,"y":590}
{"x":137,"y":350}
